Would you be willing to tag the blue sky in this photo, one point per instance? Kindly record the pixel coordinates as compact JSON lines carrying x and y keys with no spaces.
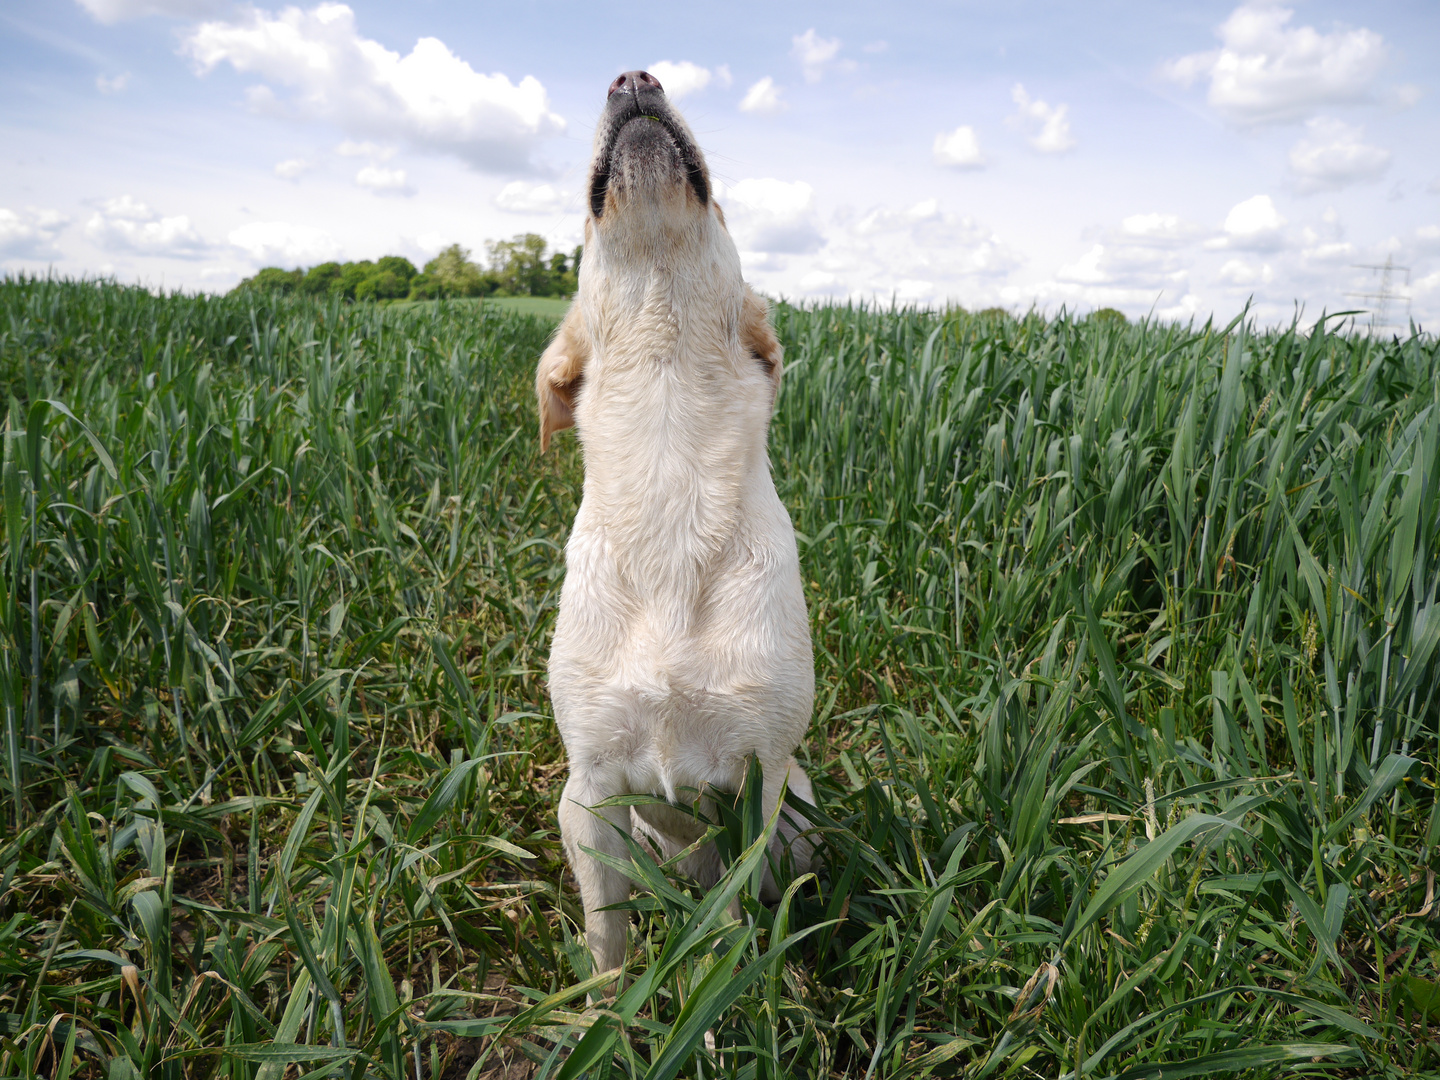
{"x":1176,"y":158}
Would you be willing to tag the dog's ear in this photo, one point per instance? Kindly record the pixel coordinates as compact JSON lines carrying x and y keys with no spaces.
{"x":759,"y":339}
{"x":559,"y":375}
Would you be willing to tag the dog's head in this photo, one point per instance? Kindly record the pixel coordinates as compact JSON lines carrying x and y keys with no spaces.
{"x":647,"y":171}
{"x":649,"y":206}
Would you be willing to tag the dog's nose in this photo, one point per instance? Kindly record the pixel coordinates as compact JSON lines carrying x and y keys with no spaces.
{"x":633,"y":82}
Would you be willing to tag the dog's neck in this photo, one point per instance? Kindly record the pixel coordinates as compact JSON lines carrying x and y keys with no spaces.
{"x":661,"y":289}
{"x":674,"y":435}
{"x":674,"y":245}
{"x":648,"y":225}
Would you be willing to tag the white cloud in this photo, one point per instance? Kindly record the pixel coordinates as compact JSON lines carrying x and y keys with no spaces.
{"x":959,"y":148}
{"x":1335,"y":252}
{"x":918,"y":254}
{"x":112,"y":85}
{"x":1427,"y":238}
{"x":1134,"y":300}
{"x":1142,"y":267}
{"x":1156,"y":229}
{"x":1268,"y":71}
{"x":681,"y":78}
{"x":125,"y":224}
{"x":430,"y":243}
{"x":1128,"y":263}
{"x":820,"y":282}
{"x":1087,"y":269}
{"x":113,"y":11}
{"x":126,"y":208}
{"x":374,"y":151}
{"x":280,"y":242}
{"x":1333,"y":155}
{"x":1186,"y":308}
{"x":1240,"y":273}
{"x":1405,"y":96}
{"x":773,"y":216}
{"x":30,"y":233}
{"x":763,"y":98}
{"x":1324,"y":242}
{"x":815,"y":54}
{"x":875,"y":46}
{"x":1048,"y":126}
{"x":429,"y":98}
{"x":520,"y":197}
{"x":292,"y":168}
{"x":914,"y":291}
{"x":888,"y":252}
{"x":1253,"y":224}
{"x":384,"y":181}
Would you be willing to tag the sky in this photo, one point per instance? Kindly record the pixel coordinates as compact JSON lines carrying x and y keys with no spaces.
{"x":1179,"y":159}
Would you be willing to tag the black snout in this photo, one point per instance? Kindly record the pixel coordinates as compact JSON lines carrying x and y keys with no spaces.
{"x":632,"y":96}
{"x":635,"y":82}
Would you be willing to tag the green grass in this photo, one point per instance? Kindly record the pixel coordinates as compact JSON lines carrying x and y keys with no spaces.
{"x":1124,"y":744}
{"x":549,"y":308}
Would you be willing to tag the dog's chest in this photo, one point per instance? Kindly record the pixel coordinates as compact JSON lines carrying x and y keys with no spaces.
{"x":671,"y":449}
{"x":674,"y":672}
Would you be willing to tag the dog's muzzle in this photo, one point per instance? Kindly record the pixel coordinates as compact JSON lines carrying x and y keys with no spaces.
{"x":633,"y":96}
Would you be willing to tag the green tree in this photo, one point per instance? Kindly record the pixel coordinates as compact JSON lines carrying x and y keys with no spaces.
{"x":388,"y":278}
{"x":398,"y":265}
{"x":272,"y":279}
{"x":523,"y":268}
{"x":384,"y":285}
{"x":450,"y":274}
{"x":322,"y":279}
{"x":563,"y":275}
{"x":352,"y":276}
{"x":519,"y":263}
{"x":391,"y":279}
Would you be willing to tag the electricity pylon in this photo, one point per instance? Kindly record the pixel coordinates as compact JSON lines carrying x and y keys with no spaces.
{"x":1387,"y":293}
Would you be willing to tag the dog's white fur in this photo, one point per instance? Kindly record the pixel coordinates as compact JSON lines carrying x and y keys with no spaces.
{"x":682,"y":645}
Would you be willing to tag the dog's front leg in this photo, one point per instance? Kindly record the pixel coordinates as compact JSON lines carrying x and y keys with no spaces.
{"x":583,"y":825}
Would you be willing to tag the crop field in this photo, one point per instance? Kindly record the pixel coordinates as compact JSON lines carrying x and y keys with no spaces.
{"x":1124,"y":739}
{"x":547,"y":307}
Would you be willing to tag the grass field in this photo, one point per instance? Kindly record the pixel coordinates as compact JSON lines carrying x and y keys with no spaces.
{"x":547,"y":308}
{"x":1125,"y":732}
{"x":544,"y":306}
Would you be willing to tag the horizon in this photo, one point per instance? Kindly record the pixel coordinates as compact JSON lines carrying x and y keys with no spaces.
{"x":1298,"y":319}
{"x":1175,"y":162}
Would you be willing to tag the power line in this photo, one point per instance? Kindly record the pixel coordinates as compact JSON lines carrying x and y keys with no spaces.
{"x":1386,"y":295}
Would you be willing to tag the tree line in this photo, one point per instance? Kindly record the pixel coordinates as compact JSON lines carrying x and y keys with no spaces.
{"x":522,"y":266}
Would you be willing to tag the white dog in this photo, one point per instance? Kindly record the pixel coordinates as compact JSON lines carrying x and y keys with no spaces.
{"x":682,"y":645}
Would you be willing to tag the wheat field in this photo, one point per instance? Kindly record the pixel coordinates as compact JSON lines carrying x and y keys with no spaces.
{"x":1124,"y":739}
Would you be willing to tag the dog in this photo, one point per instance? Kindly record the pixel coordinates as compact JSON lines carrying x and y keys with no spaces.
{"x":682,"y":645}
